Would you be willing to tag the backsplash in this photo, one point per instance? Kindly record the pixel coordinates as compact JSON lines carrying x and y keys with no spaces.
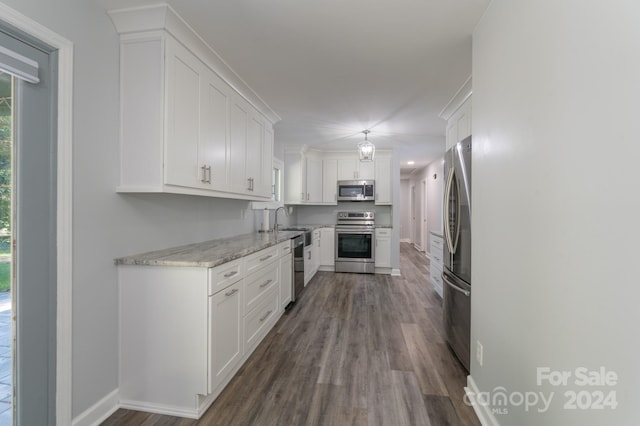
{"x":326,"y":215}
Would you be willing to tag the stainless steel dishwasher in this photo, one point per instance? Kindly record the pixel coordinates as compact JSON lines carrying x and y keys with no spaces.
{"x":297,"y":245}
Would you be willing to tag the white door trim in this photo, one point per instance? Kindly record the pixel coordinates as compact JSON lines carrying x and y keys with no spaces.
{"x":64,"y":203}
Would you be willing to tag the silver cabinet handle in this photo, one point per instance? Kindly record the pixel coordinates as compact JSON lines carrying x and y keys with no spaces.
{"x":266,"y":283}
{"x":262,"y":259}
{"x":248,"y":184}
{"x":230,"y":274}
{"x":265,"y":316}
{"x":209,"y":178}
{"x":232,"y":292}
{"x":307,"y":196}
{"x":204,"y":174}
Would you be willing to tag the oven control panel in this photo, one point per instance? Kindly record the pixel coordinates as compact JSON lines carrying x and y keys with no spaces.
{"x":356,"y":215}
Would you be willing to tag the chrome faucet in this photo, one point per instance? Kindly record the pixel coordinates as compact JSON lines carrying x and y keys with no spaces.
{"x":275,"y":223}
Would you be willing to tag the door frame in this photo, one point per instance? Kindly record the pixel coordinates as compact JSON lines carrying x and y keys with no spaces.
{"x":423,"y":216}
{"x":64,"y":203}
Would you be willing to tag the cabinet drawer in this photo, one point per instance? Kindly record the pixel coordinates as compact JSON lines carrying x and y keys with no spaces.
{"x":436,"y":255}
{"x":257,"y":284}
{"x":256,"y":322}
{"x":436,"y":278}
{"x":383,"y":232}
{"x":224,"y":275}
{"x":259,"y":259}
{"x":436,"y":242}
{"x":284,"y":248}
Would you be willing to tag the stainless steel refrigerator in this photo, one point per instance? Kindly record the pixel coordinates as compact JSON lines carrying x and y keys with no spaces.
{"x":456,"y":274}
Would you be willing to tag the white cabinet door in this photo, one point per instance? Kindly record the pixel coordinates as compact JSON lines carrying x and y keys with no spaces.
{"x":286,"y":279}
{"x":366,"y":170}
{"x":225,"y":333}
{"x":308,"y":263}
{"x":315,"y":253}
{"x":459,"y":125}
{"x":353,"y":168}
{"x":239,"y":119}
{"x":327,"y":247}
{"x":266,"y":181}
{"x":347,"y":169}
{"x":383,"y":180}
{"x":329,"y":181}
{"x":383,"y":248}
{"x":255,"y":151}
{"x":314,"y":180}
{"x":184,"y":77}
{"x":295,"y":191}
{"x":214,"y":134}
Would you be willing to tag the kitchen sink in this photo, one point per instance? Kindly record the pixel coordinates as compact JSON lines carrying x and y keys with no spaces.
{"x":306,"y":230}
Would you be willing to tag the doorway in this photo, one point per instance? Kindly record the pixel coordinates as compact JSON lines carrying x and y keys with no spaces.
{"x":28,"y":194}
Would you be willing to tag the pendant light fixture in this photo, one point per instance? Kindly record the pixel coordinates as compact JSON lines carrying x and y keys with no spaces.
{"x":366,"y":149}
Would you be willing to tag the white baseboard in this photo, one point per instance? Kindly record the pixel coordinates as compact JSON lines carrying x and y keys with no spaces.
{"x":99,"y":411}
{"x":167,"y":410}
{"x":327,"y":268}
{"x":395,"y":272}
{"x":483,"y":411}
{"x":405,"y":240}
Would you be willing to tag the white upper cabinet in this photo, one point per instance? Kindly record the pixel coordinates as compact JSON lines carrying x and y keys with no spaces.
{"x":214,"y":144}
{"x":314,"y":180}
{"x":185,"y":129}
{"x":354,"y":169}
{"x":330,"y":181}
{"x":184,"y":78}
{"x":383,"y":180}
{"x":238,"y":149}
{"x":457,"y":113}
{"x":295,"y":190}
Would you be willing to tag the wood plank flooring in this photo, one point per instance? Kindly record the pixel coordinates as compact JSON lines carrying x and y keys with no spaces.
{"x":354,"y":350}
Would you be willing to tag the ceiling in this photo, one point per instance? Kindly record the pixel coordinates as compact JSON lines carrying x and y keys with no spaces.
{"x":333,"y":68}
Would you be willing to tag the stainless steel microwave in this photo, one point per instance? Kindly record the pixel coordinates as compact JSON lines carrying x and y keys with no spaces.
{"x":356,"y":190}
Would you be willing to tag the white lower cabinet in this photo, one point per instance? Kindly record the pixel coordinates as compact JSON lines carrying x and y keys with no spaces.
{"x":436,"y":249}
{"x":327,"y":249}
{"x":308,"y":263}
{"x":286,"y":277}
{"x":185,"y":331}
{"x":383,"y":248}
{"x":225,"y":333}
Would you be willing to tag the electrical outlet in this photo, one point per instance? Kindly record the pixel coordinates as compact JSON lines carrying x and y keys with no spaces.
{"x":479,"y":352}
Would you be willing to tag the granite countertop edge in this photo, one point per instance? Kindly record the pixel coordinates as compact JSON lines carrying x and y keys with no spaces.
{"x":208,"y":254}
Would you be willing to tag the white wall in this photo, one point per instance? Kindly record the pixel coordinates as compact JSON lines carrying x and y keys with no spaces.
{"x":106,"y":224}
{"x":556,"y":96}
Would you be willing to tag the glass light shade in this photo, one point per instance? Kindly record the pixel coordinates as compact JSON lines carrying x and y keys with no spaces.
{"x":366,"y":150}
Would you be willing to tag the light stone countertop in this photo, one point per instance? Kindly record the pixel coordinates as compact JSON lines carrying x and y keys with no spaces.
{"x":210,"y":253}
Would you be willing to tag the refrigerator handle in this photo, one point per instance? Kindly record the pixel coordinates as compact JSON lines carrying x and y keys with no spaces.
{"x":447,"y":196}
{"x":455,"y":287}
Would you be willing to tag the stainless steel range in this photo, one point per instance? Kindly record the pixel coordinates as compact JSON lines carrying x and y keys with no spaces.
{"x":355,"y":248}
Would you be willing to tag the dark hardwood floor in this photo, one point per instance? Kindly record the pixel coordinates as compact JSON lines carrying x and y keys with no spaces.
{"x":355,"y":350}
